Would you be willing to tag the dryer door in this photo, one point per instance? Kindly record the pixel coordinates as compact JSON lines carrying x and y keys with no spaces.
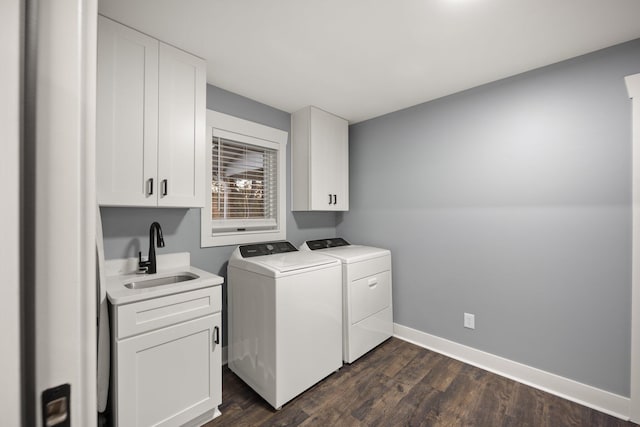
{"x":369,"y":295}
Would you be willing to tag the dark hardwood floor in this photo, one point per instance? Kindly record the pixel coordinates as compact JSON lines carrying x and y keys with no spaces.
{"x":400,"y":384}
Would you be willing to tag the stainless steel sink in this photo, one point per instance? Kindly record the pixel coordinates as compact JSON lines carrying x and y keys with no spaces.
{"x":159,"y":281}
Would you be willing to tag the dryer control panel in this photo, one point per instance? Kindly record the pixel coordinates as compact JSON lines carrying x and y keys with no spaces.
{"x":326,"y":243}
{"x":268,"y":248}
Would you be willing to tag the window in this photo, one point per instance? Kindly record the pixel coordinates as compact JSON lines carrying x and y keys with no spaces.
{"x":245,"y":182}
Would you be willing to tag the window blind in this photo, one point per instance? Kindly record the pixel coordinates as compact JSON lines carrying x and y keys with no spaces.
{"x":243,"y":186}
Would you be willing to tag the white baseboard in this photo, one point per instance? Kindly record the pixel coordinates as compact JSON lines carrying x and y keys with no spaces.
{"x":600,"y":400}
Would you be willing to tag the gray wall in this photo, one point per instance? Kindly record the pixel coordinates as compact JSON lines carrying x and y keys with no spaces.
{"x":511,"y":201}
{"x":126,"y":230}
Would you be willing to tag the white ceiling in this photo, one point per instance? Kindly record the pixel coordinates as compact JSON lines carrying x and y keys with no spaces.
{"x":363,"y":58}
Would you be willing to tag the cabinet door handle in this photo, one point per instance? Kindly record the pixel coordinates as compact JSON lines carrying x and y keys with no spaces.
{"x":330,"y":199}
{"x":335,"y":199}
{"x":216,"y":335}
{"x":165,"y":187}
{"x":150,"y":186}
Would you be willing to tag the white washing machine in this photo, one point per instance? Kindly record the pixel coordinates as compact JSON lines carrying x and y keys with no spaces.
{"x":366,"y":294}
{"x":285,"y":318}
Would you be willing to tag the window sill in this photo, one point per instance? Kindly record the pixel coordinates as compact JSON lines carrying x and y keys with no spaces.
{"x":241,"y":238}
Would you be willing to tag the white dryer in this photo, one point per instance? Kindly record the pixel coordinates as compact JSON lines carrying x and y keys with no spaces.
{"x":366,"y":294}
{"x":285,"y":318}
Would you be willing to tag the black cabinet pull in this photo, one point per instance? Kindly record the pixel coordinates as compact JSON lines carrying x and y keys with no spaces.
{"x":330,"y":199}
{"x":165,"y":187}
{"x":216,"y":335}
{"x":335,"y":199}
{"x":150,"y":191}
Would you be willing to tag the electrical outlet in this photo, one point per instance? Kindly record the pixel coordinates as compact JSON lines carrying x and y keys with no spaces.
{"x":469,"y":321}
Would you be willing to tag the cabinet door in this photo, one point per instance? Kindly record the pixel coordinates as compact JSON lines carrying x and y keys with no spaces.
{"x":126,"y":116}
{"x":329,"y":164}
{"x":182,"y":121}
{"x":170,"y":376}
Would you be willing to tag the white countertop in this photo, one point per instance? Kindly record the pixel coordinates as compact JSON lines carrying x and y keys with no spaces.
{"x":121,"y":271}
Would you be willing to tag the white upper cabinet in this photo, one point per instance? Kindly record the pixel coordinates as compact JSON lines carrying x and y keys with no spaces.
{"x":127,"y":116}
{"x":320,"y":161}
{"x":150,"y":121}
{"x":181,"y":128}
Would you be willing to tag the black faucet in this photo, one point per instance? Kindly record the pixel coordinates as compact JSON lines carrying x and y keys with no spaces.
{"x":150,"y":264}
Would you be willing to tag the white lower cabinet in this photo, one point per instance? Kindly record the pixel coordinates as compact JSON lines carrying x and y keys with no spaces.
{"x":170,"y":376}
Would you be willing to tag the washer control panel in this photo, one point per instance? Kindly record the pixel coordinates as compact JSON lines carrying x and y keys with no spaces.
{"x":268,"y":248}
{"x":326,"y":243}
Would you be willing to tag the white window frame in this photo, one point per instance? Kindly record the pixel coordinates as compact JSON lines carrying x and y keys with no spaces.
{"x":256,"y":134}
